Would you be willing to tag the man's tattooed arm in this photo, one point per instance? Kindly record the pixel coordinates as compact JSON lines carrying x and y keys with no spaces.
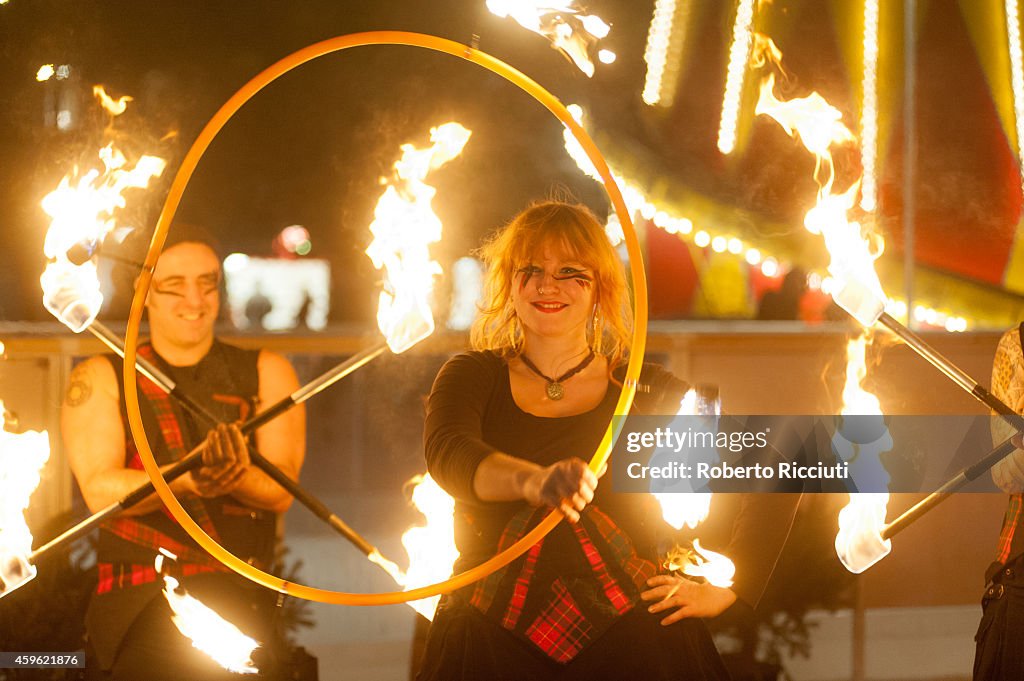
{"x":79,"y":386}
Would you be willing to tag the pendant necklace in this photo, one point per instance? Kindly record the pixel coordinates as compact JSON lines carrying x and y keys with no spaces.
{"x":555,"y":389}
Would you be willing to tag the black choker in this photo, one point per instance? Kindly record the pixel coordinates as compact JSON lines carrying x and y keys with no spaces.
{"x":555,"y":389}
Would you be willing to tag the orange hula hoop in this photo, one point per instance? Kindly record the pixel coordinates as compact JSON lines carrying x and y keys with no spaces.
{"x":177,"y":190}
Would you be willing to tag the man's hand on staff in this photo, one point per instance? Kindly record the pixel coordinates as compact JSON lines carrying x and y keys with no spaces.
{"x":567,"y":485}
{"x":225,"y":462}
{"x":692,"y":599}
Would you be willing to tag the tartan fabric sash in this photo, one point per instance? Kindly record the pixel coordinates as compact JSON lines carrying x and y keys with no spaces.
{"x":569,"y":587}
{"x":191,"y":560}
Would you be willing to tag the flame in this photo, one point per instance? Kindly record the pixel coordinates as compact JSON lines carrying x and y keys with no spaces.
{"x":853,"y":251}
{"x":852,"y":248}
{"x":698,"y":561}
{"x":403,"y":226}
{"x":431,"y":547}
{"x":115,"y":107}
{"x":22,"y":457}
{"x":83,"y":209}
{"x":45,"y":72}
{"x":569,"y":29}
{"x":684,"y":507}
{"x":208,"y":631}
{"x":859,"y":542}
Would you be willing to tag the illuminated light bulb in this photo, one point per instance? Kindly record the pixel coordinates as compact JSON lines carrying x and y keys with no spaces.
{"x":738,"y":53}
{"x":770,"y":267}
{"x":869,"y":109}
{"x":735,"y":246}
{"x":702,"y":238}
{"x":662,"y":45}
{"x":606,"y":56}
{"x":718,"y":244}
{"x":1016,"y":73}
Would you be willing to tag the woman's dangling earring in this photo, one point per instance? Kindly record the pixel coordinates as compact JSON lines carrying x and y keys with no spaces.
{"x":597,"y":341}
{"x":515,"y":336}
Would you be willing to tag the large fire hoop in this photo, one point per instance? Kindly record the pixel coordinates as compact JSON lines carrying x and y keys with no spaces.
{"x":195,"y":153}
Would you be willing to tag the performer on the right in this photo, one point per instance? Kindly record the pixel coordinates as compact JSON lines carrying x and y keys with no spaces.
{"x":1000,"y":637}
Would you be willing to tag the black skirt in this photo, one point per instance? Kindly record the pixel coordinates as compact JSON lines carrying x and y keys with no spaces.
{"x":1000,"y":654}
{"x":465,"y":645}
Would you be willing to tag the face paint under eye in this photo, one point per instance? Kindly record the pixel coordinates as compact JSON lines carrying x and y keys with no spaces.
{"x":527,"y":273}
{"x":166,"y":292}
{"x":581,"y":277}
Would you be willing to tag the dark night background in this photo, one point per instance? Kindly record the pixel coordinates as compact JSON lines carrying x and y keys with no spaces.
{"x":310,"y":148}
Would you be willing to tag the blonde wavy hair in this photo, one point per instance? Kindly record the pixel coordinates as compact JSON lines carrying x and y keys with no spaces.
{"x":574,"y":230}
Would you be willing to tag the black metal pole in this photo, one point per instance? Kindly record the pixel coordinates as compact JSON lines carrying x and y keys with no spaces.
{"x":952,"y":371}
{"x":194,"y":458}
{"x":963,"y":478}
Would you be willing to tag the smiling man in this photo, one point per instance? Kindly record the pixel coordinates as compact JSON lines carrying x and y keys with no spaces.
{"x":131,"y":634}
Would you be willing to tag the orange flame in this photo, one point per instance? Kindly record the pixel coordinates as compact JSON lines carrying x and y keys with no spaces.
{"x":570,"y":30}
{"x":853,"y":251}
{"x":115,"y":107}
{"x":431,"y":547}
{"x":22,"y":457}
{"x":852,"y":248}
{"x":83,"y":208}
{"x":210,"y":633}
{"x":697,"y":561}
{"x":859,"y":542}
{"x":684,"y":507}
{"x":404,"y":225}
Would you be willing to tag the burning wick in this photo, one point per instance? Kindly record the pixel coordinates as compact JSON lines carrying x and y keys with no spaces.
{"x":22,"y":457}
{"x":570,"y":30}
{"x":698,"y":563}
{"x":208,"y":631}
{"x":404,"y":224}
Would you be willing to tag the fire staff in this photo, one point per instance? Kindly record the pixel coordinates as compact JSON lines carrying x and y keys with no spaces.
{"x":131,"y":634}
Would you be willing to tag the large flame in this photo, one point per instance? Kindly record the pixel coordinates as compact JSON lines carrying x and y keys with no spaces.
{"x":83,"y":210}
{"x":859,"y":542}
{"x":208,"y":631}
{"x":853,"y":251}
{"x":431,"y":547}
{"x":698,"y":561}
{"x":684,"y":507}
{"x":22,"y":457}
{"x":404,"y":225}
{"x":567,"y":26}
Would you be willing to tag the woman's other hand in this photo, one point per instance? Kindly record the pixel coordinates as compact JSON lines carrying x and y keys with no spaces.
{"x":687,"y":597}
